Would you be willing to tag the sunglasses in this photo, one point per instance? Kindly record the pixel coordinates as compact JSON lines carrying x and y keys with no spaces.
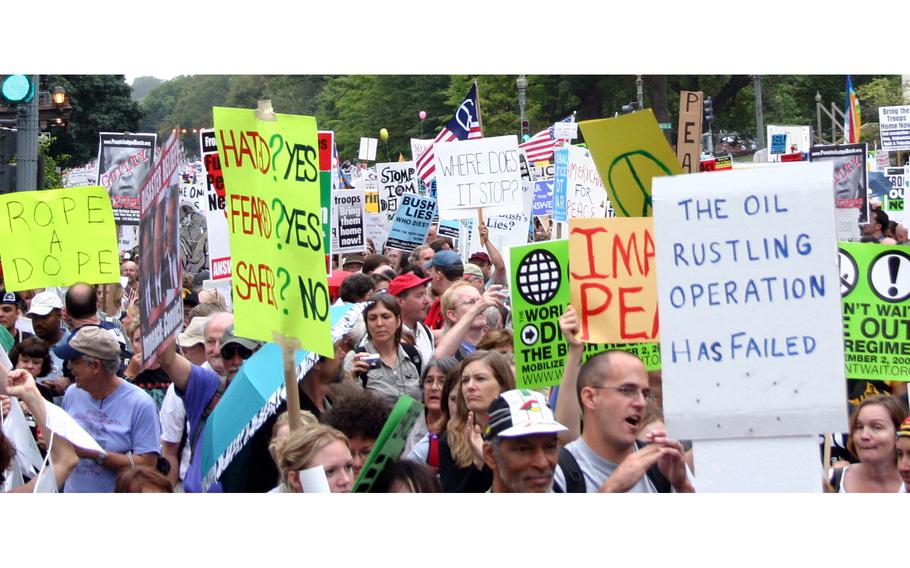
{"x":232,"y":350}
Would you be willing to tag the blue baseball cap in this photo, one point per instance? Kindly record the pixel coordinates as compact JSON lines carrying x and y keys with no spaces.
{"x":444,"y":258}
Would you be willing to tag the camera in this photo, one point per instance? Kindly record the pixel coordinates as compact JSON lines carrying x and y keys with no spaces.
{"x":373,"y":360}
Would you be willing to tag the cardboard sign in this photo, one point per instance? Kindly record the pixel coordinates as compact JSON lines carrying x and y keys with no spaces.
{"x":850,"y":181}
{"x":612,"y":280}
{"x":560,"y":185}
{"x":586,"y":197}
{"x":394,"y":180}
{"x":215,"y":217}
{"x":271,"y":173}
{"x":751,"y":341}
{"x":390,"y":443}
{"x":894,"y":127}
{"x":412,"y":222}
{"x":629,"y":151}
{"x":160,"y":270}
{"x":688,"y":140}
{"x":875,"y":287}
{"x":478,"y":174}
{"x":347,"y":221}
{"x":124,"y":162}
{"x":58,"y":237}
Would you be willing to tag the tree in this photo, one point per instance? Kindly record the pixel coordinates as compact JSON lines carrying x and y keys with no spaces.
{"x":143,"y":86}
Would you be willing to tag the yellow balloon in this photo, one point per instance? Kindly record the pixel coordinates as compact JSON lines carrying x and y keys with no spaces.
{"x":383,"y":134}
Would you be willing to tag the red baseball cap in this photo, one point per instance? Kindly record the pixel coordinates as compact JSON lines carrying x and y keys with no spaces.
{"x":405,"y":282}
{"x":480,"y":255}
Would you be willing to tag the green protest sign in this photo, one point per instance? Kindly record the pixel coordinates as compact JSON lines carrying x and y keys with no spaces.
{"x":875,"y":287}
{"x":390,"y":443}
{"x":540,"y":294}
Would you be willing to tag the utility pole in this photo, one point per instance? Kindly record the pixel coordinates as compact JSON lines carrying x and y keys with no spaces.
{"x":759,"y":117}
{"x":27,"y":143}
{"x":639,"y":92}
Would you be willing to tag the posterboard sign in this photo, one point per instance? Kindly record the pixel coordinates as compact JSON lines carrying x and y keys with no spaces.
{"x":347,"y":221}
{"x":124,"y":162}
{"x":390,"y":443}
{"x":751,"y":340}
{"x":786,"y":140}
{"x":893,"y":203}
{"x":418,"y":147}
{"x":326,"y":177}
{"x":371,"y":202}
{"x":160,"y":269}
{"x":560,"y":184}
{"x":543,"y":198}
{"x":688,"y":139}
{"x":367,"y":149}
{"x":613,"y":279}
{"x":850,"y":180}
{"x":271,"y":174}
{"x":505,"y":231}
{"x":394,"y":180}
{"x":412,"y":222}
{"x":629,"y":151}
{"x":585,"y":194}
{"x":565,"y":130}
{"x":894,"y":127}
{"x":875,"y":287}
{"x":215,"y":218}
{"x":58,"y":237}
{"x":81,"y":177}
{"x":717,"y":164}
{"x":478,"y":174}
{"x":376,"y":227}
{"x":545,"y":170}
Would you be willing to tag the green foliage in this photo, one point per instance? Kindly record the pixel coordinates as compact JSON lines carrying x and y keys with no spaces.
{"x":143,"y":86}
{"x":52,"y":178}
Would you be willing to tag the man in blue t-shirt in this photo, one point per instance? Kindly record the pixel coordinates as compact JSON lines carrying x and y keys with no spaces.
{"x":121,"y":417}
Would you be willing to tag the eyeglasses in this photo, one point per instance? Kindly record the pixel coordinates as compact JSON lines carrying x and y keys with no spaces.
{"x":630,"y":392}
{"x":466,"y":303}
{"x":231,"y":350}
{"x":430,"y":383}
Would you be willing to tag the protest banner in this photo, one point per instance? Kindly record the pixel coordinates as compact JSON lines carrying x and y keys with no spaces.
{"x":850,"y":181}
{"x":586,"y":197}
{"x":612,"y":281}
{"x":875,"y":287}
{"x":894,"y":127}
{"x":215,"y":218}
{"x":478,"y":174}
{"x":160,"y":270}
{"x":124,"y":161}
{"x":629,"y":151}
{"x":751,"y":341}
{"x":394,"y":179}
{"x":192,"y":188}
{"x":390,"y":443}
{"x":786,"y":140}
{"x":58,"y":237}
{"x":347,"y":221}
{"x":688,"y":139}
{"x":326,"y":176}
{"x":560,"y":184}
{"x":543,"y":198}
{"x":271,"y":174}
{"x":412,"y":222}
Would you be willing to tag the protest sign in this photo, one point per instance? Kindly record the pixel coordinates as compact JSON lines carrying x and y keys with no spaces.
{"x":850,"y":180}
{"x":347,"y":221}
{"x":688,"y":139}
{"x":875,"y":287}
{"x":273,"y":197}
{"x":124,"y":161}
{"x":326,"y":177}
{"x":505,"y":231}
{"x":478,"y":174}
{"x":412,"y":222}
{"x":882,"y":160}
{"x":215,"y":218}
{"x":786,"y":140}
{"x":893,"y":202}
{"x":390,"y":442}
{"x":394,"y":180}
{"x":160,"y":271}
{"x":560,"y":184}
{"x":565,"y":130}
{"x":418,"y":147}
{"x":894,"y":127}
{"x":612,"y":280}
{"x":81,"y":177}
{"x":716,"y":164}
{"x":586,"y":197}
{"x":376,"y":228}
{"x":543,"y":198}
{"x":545,"y":170}
{"x":57,"y":237}
{"x":367,"y":149}
{"x":751,"y":341}
{"x":629,"y":151}
{"x":371,"y":202}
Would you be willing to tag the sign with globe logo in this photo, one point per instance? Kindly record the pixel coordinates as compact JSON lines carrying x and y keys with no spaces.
{"x":538,"y":277}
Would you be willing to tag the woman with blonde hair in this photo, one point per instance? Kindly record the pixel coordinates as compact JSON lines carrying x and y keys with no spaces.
{"x":314,"y":446}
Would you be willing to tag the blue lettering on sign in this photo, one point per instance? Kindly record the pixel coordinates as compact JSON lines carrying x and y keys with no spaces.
{"x":778,"y":143}
{"x":560,"y":183}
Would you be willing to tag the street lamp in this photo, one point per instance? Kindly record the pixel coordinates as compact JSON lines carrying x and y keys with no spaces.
{"x":522,"y":84}
{"x":59,"y":96}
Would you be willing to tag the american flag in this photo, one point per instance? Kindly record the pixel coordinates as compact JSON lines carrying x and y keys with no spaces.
{"x":465,"y":125}
{"x":539,"y":148}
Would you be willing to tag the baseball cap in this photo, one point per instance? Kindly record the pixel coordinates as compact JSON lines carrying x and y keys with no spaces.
{"x":904,"y":430}
{"x":90,"y":340}
{"x":194,"y":333}
{"x":518,"y":413}
{"x":229,"y":338}
{"x":9,"y":298}
{"x":444,"y":258}
{"x":405,"y":282}
{"x":352,"y":259}
{"x":43,"y":303}
{"x":473,"y":270}
{"x":480,"y":255}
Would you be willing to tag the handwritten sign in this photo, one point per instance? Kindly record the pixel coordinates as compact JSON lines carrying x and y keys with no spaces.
{"x":347,"y":221}
{"x":560,"y":184}
{"x":751,"y":340}
{"x":394,"y":180}
{"x":412,"y":222}
{"x":478,"y":174}
{"x":688,"y":140}
{"x":271,"y":173}
{"x":215,"y":218}
{"x":58,"y":237}
{"x":629,"y":151}
{"x":585,"y":194}
{"x":612,"y":280}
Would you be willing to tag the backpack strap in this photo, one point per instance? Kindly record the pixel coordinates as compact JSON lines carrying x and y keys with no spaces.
{"x":837,"y":477}
{"x":433,"y":454}
{"x":575,"y":479}
{"x":655,"y":476}
{"x":205,"y":414}
{"x":414,"y":355}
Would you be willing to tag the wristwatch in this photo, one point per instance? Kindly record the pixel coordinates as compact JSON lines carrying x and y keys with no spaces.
{"x":99,"y":459}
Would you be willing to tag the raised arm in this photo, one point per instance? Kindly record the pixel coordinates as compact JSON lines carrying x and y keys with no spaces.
{"x":568,"y":413}
{"x":448,"y":344}
{"x":500,"y":274}
{"x":176,"y":366}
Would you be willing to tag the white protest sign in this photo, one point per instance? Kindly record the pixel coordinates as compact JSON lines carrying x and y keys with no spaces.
{"x":787,"y":140}
{"x":506,"y":231}
{"x":750,"y":315}
{"x":215,"y":217}
{"x":376,"y":226}
{"x":784,"y":464}
{"x":478,"y":174}
{"x":894,"y":127}
{"x":565,"y":130}
{"x":63,"y":425}
{"x":347,"y":221}
{"x":393,"y":180}
{"x":586,"y":196}
{"x":418,"y":147}
{"x":367,"y":149}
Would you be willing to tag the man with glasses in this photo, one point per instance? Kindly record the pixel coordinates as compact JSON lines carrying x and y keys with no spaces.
{"x":465,"y":323}
{"x":612,"y":391}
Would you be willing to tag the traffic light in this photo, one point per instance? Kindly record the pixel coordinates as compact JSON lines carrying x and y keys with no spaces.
{"x":16,"y":89}
{"x":709,"y":110}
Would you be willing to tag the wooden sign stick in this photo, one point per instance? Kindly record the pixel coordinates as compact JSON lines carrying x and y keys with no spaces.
{"x":289,"y":345}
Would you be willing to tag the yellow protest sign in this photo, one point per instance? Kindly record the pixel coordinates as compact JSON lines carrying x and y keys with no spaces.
{"x":58,"y":237}
{"x":271,"y":178}
{"x":612,"y":279}
{"x":372,"y":202}
{"x":629,"y":151}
